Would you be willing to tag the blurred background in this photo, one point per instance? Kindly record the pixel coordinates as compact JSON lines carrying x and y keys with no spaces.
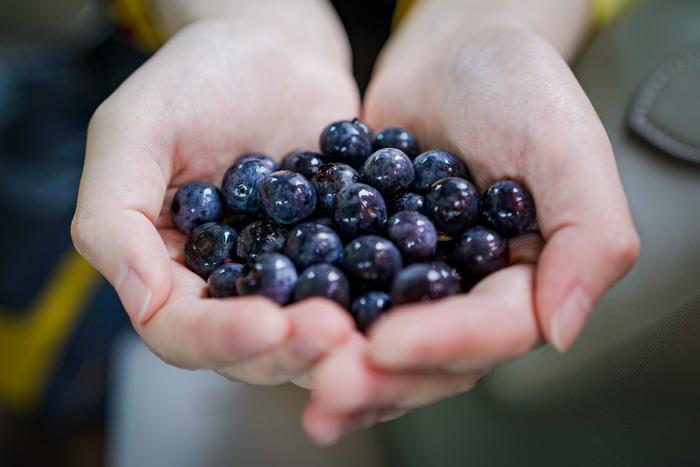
{"x":78,"y":389}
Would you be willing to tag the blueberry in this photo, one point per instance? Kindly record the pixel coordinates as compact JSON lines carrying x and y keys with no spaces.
{"x":323,"y":280}
{"x":363,"y":127}
{"x":222,"y":280}
{"x":329,"y":180}
{"x":241,"y":186}
{"x":306,"y":163}
{"x":271,"y":275}
{"x":240,"y":220}
{"x":359,"y":209}
{"x":422,"y":282}
{"x":263,"y":236}
{"x":414,"y":235}
{"x":481,"y":251}
{"x":208,"y":247}
{"x":432,"y":166}
{"x":311,"y":243}
{"x":409,"y":202}
{"x":508,"y":208}
{"x":398,"y":138}
{"x":287,"y":197}
{"x":453,"y":205}
{"x":372,"y":259}
{"x":196,"y":203}
{"x":267,"y":161}
{"x":347,"y":142}
{"x":368,"y":307}
{"x":388,"y":170}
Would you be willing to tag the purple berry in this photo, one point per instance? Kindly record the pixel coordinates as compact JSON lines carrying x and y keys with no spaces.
{"x":508,"y":208}
{"x":372,"y":259}
{"x":196,"y":203}
{"x":210,"y":245}
{"x":347,"y":142}
{"x":388,"y":170}
{"x":480,"y":252}
{"x":435,"y":165}
{"x":222,"y":281}
{"x":414,"y":235}
{"x":311,"y":243}
{"x":241,"y":186}
{"x":422,"y":282}
{"x":266,"y":160}
{"x":306,"y":163}
{"x":264,"y":236}
{"x":323,"y":280}
{"x":453,"y":205}
{"x":359,"y":210}
{"x":409,"y":202}
{"x":368,"y":307}
{"x":329,"y":180}
{"x":398,"y":138}
{"x":271,"y":275}
{"x":287,"y":197}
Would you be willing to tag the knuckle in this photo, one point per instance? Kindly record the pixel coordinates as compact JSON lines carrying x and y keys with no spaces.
{"x":622,"y":247}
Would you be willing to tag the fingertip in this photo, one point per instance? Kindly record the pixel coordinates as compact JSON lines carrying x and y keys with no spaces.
{"x":322,"y":427}
{"x":318,"y":326}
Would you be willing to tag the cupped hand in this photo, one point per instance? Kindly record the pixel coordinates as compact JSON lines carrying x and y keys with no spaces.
{"x":507,"y":103}
{"x":215,"y":90}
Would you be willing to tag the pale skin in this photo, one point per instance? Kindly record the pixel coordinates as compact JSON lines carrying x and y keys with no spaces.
{"x":484,"y":79}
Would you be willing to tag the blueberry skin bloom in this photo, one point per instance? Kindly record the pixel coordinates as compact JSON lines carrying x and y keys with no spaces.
{"x":312,"y":243}
{"x":272,"y":275}
{"x":453,"y":205}
{"x":329,"y":180}
{"x":306,"y":163}
{"x":346,"y":142}
{"x":363,"y":127}
{"x":414,"y":235}
{"x":388,"y":170}
{"x":264,"y":236}
{"x":398,"y":138}
{"x":508,"y":208}
{"x":287,"y":197}
{"x":208,"y":247}
{"x":368,"y":307}
{"x":266,"y":160}
{"x":196,"y":203}
{"x":359,"y":210}
{"x":241,"y":186}
{"x":480,"y":252}
{"x":423,"y":282}
{"x":323,"y":280}
{"x":372,"y":259}
{"x":435,"y":165}
{"x":222,"y":281}
{"x":409,"y":202}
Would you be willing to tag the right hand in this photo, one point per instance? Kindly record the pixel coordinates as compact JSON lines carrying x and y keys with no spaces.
{"x":217,"y":89}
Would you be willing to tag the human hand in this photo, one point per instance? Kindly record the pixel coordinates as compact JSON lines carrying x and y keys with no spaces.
{"x":215,"y":90}
{"x":505,"y":101}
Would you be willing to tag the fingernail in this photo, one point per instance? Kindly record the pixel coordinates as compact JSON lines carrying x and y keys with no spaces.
{"x":135,"y":296}
{"x":568,"y":322}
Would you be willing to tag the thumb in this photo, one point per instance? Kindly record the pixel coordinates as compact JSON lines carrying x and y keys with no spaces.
{"x":121,"y":194}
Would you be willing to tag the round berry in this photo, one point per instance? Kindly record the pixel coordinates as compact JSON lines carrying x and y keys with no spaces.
{"x":508,"y":208}
{"x":372,"y":259}
{"x":266,"y":160}
{"x":311,"y":243}
{"x":480,"y":252}
{"x":271,"y":275}
{"x":388,"y":170}
{"x":306,"y":163}
{"x":347,"y":142}
{"x":398,"y":138}
{"x":363,"y":127}
{"x":323,"y":280}
{"x":263,"y":236}
{"x":368,"y":307}
{"x":453,"y":205}
{"x":241,"y":185}
{"x":287,"y":197}
{"x":359,"y":210}
{"x":222,"y":281}
{"x":435,"y":165}
{"x":210,"y":245}
{"x":329,"y":180}
{"x":414,"y":235}
{"x":409,"y":202}
{"x":196,"y":203}
{"x":422,"y":282}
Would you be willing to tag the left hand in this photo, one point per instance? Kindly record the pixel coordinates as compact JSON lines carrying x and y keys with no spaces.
{"x":509,"y":105}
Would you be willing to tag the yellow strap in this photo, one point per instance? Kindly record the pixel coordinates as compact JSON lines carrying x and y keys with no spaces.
{"x":30,"y":344}
{"x":135,"y":15}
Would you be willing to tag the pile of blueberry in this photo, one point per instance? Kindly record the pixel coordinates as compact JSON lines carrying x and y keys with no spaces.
{"x":369,"y":223}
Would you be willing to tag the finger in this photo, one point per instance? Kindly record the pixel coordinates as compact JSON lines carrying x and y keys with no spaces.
{"x":317,"y":327}
{"x":121,"y":193}
{"x":344,"y":382}
{"x":193,"y":332}
{"x":495,"y":322}
{"x":325,"y":428}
